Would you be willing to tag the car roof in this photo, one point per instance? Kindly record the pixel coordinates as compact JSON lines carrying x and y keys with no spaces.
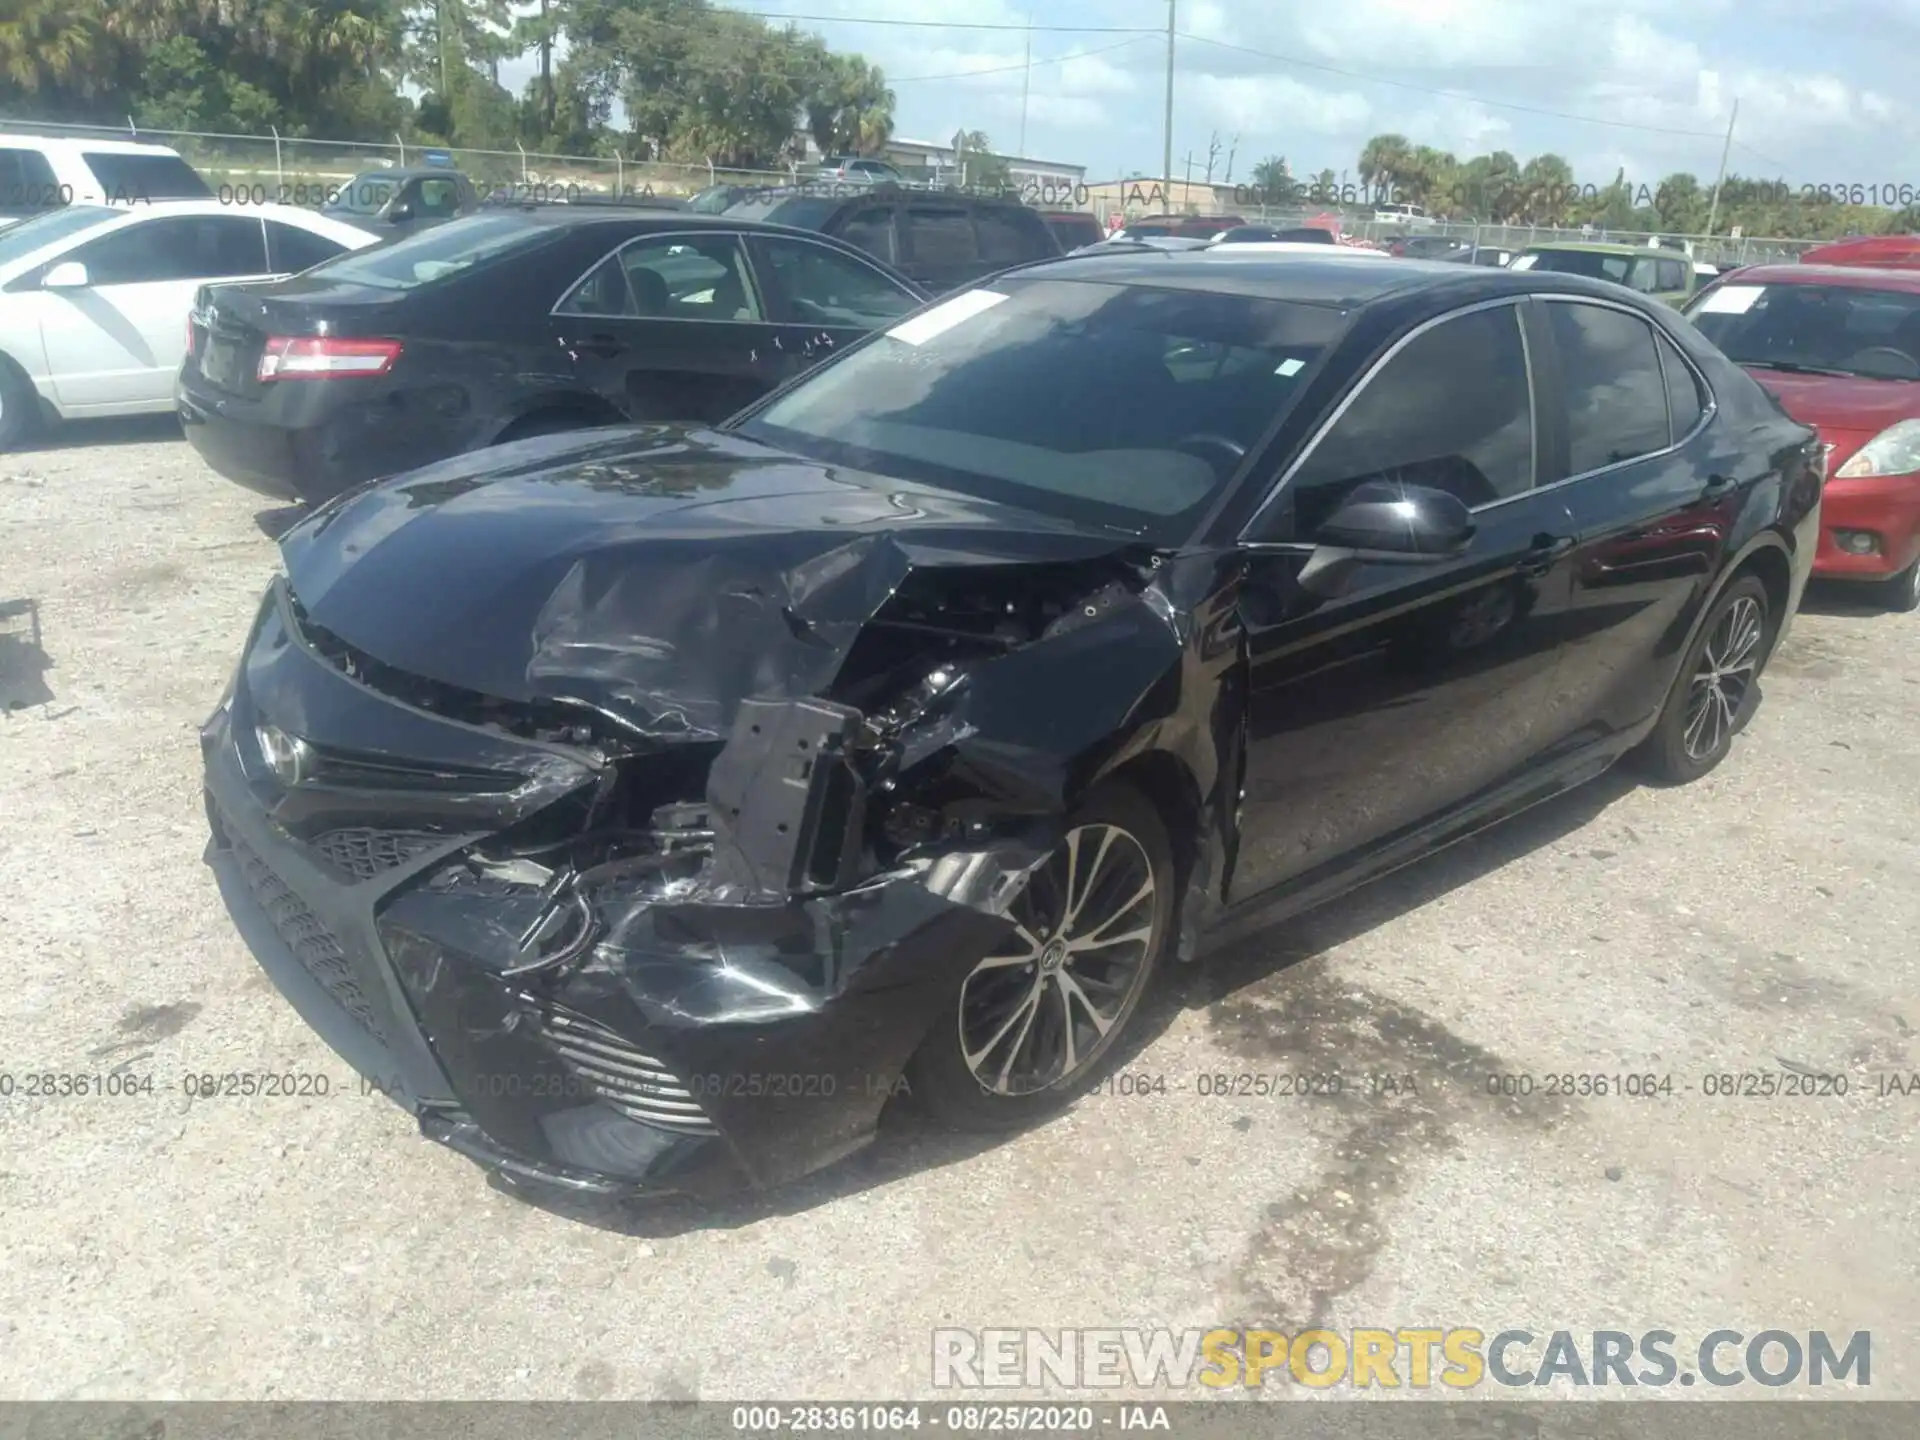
{"x":404,"y":172}
{"x":1608,"y":247}
{"x":66,"y":144}
{"x":1299,"y":247}
{"x":1327,"y":275}
{"x":1857,"y":277}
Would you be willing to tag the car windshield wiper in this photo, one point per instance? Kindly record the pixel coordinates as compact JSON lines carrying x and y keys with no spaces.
{"x":1793,"y":367}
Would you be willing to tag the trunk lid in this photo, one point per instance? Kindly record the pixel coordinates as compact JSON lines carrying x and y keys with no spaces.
{"x":228,"y":327}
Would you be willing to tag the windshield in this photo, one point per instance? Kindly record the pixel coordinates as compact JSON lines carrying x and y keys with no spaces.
{"x":1595,"y":264}
{"x":19,"y":241}
{"x":1104,"y":404}
{"x":365,"y":195}
{"x":145,"y":177}
{"x":1846,"y":329}
{"x":435,"y":254}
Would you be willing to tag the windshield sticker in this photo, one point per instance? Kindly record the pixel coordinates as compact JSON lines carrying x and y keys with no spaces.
{"x":1290,"y":367}
{"x":1731,"y":300}
{"x":942,"y":318}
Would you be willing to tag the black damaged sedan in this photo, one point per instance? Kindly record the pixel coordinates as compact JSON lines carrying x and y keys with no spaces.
{"x":646,"y":808}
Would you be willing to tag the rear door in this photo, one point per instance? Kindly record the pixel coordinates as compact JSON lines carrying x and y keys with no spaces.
{"x":672,"y":327}
{"x":118,"y":343}
{"x":1654,"y":492}
{"x":1405,"y":691}
{"x":822,"y":299}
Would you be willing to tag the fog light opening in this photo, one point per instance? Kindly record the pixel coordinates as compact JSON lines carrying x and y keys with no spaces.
{"x":1857,"y":542}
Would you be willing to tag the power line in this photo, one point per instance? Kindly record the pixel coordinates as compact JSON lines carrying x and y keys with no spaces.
{"x":1005,"y":69}
{"x":947,"y":24}
{"x":1451,"y":94}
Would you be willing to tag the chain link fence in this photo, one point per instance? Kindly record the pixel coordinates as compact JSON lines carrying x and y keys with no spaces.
{"x":273,"y":167}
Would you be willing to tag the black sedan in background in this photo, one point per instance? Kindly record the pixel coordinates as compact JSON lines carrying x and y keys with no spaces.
{"x":511,"y":323}
{"x":646,"y":809}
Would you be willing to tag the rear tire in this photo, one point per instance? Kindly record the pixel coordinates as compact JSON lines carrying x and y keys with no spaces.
{"x":1717,"y":688}
{"x":1034,"y":1025}
{"x":1900,"y":593}
{"x":19,"y":405}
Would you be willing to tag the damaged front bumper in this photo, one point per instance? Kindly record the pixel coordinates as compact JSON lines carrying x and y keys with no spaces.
{"x":698,"y":1017}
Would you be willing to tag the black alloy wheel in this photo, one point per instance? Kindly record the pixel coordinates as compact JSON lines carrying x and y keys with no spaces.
{"x":1035,"y":1022}
{"x":1717,"y":689}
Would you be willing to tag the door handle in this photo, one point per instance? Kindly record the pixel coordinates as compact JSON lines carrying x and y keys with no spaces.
{"x":1716,"y":484}
{"x":604,"y":346}
{"x":1547,"y":549}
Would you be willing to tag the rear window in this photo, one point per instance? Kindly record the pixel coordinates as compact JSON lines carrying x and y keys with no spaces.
{"x":806,"y":212}
{"x":27,"y":182}
{"x":145,"y":177}
{"x":436,"y":254}
{"x":365,"y":194}
{"x":1596,"y":265}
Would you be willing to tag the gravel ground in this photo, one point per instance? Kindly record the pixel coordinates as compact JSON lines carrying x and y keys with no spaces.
{"x":159,"y":1247}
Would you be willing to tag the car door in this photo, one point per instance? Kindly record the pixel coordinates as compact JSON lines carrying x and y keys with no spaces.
{"x":821,"y":299}
{"x":117,"y":342}
{"x":671,"y":327}
{"x":1653,"y":490}
{"x":940,"y":249}
{"x":1384,"y":695}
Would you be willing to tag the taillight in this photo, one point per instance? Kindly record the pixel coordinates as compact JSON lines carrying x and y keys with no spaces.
{"x":313,"y":357}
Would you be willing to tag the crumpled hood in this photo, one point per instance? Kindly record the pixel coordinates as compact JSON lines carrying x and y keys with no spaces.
{"x":659,"y":574}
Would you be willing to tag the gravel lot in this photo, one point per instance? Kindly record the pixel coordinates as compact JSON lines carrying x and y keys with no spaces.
{"x":159,"y":1247}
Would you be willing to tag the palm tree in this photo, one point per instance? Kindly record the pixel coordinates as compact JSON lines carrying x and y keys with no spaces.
{"x":50,"y":44}
{"x":1273,"y":182}
{"x":1384,"y":161}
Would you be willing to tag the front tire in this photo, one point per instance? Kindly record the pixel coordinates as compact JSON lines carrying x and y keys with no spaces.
{"x":1034,"y":1024}
{"x":19,"y":405}
{"x":1900,"y":594}
{"x":1717,"y":689}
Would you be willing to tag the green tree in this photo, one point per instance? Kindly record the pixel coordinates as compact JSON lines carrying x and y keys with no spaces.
{"x":1386,"y":162}
{"x":1274,"y":183}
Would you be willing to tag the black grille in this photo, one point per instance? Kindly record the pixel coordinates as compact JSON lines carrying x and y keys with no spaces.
{"x":364,"y":853}
{"x":307,"y":935}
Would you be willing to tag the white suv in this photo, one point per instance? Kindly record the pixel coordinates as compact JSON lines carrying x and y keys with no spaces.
{"x":39,"y":174}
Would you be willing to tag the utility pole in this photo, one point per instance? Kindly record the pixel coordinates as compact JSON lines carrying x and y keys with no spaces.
{"x":1166,"y":154}
{"x":1026,"y":85}
{"x":1713,"y":209}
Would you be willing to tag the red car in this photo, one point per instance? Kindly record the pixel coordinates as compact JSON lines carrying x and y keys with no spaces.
{"x":1839,"y":346}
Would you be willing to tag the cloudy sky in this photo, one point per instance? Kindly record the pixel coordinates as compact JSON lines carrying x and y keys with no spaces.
{"x":1816,"y":87}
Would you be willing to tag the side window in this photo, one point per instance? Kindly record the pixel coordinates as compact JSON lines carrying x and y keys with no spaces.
{"x":1452,"y":411}
{"x":1616,"y":395}
{"x":823,"y":287}
{"x":180,"y":247}
{"x":27,"y":181}
{"x":1685,"y":404}
{"x":872,"y":231}
{"x":1003,"y":240}
{"x":1673,"y":275}
{"x":1644,"y":276}
{"x":602,"y":291}
{"x":438,"y":197}
{"x":689,"y":277}
{"x":941,"y":237}
{"x":291,"y":249}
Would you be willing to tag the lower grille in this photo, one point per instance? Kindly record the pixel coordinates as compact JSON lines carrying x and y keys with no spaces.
{"x":364,"y":854}
{"x":307,"y":935}
{"x":632,"y":1082}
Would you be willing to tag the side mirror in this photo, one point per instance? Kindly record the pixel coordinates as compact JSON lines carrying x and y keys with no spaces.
{"x":1383,"y":520}
{"x":400,"y":212}
{"x":67,"y":275}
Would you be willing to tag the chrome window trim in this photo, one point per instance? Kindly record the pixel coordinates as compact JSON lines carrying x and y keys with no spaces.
{"x":748,"y":280}
{"x":1707,"y":411}
{"x":1279,"y":487}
